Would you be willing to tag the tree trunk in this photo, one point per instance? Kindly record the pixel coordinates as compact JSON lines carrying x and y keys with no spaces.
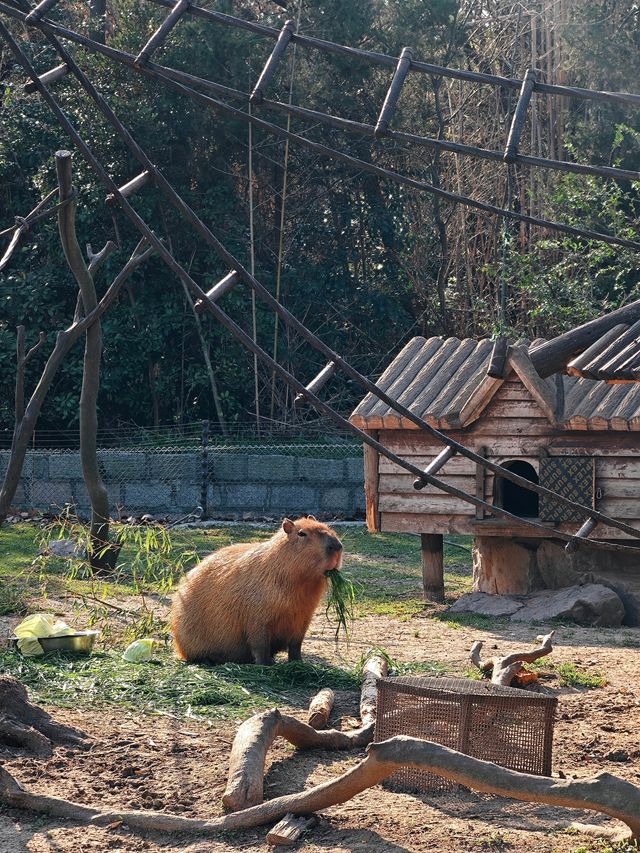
{"x":64,"y":341}
{"x":102,"y":555}
{"x":432,"y":566}
{"x":602,"y":793}
{"x":98,"y":20}
{"x":26,"y":726}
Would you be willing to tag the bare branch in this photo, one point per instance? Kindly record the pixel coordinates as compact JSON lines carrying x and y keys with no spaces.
{"x":97,"y":260}
{"x":503,"y":669}
{"x":42,"y":338}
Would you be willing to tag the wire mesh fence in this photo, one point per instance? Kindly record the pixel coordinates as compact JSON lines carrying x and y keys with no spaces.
{"x":176,"y":470}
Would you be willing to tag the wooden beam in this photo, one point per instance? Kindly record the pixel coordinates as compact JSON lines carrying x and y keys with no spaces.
{"x":162,"y":32}
{"x":577,"y":366}
{"x":519,"y":116}
{"x":41,"y":9}
{"x":543,"y":395}
{"x":129,"y":188}
{"x":377,"y":58}
{"x":218,"y":290}
{"x":587,"y":528}
{"x":554,"y":355}
{"x":289,"y":829}
{"x":480,"y":478}
{"x":47,"y":78}
{"x":498,"y":358}
{"x":441,"y":459}
{"x":316,"y":384}
{"x":257,"y":96}
{"x":393,"y":93}
{"x":371,"y":457}
{"x":432,"y":552}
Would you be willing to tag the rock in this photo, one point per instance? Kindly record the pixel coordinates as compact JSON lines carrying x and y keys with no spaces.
{"x":486,"y":605}
{"x":590,"y":605}
{"x":63,"y":548}
{"x":617,"y":755}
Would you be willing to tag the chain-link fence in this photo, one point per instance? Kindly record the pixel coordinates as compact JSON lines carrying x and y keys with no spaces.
{"x":192,"y":469}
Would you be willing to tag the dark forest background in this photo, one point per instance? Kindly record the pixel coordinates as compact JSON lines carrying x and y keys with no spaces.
{"x":365,"y":263}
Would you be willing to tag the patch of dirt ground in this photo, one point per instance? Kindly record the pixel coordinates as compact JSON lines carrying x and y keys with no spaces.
{"x":180,"y":766}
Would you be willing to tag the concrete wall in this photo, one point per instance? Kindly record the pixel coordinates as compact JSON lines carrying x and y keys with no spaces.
{"x":157,"y":482}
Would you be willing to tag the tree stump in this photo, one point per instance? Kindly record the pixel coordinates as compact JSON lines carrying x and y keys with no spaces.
{"x":26,"y":726}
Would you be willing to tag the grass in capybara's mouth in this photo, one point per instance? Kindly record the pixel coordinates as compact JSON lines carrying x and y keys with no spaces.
{"x":341,"y":601}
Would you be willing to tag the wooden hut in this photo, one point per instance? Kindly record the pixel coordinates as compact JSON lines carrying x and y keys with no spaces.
{"x":576,"y":436}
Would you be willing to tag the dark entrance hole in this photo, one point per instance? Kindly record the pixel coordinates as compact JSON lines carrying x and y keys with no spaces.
{"x":514,"y":498}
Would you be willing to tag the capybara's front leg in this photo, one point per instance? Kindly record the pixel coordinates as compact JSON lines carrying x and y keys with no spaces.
{"x":294,"y":649}
{"x":260,"y":645}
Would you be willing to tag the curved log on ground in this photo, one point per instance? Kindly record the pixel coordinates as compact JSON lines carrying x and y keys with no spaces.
{"x":26,"y":726}
{"x":503,"y":669}
{"x":245,"y":785}
{"x":603,"y":793}
{"x":320,"y":708}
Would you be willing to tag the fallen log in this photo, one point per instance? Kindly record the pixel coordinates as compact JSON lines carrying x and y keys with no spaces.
{"x":289,"y":829}
{"x":375,"y":667}
{"x":603,"y":793}
{"x":503,"y":669}
{"x":245,"y":783}
{"x":320,"y":708}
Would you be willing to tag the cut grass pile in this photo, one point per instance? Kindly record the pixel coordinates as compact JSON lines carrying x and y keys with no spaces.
{"x":166,"y":685}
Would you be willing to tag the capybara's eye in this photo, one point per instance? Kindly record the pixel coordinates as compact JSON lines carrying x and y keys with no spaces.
{"x":301,"y":533}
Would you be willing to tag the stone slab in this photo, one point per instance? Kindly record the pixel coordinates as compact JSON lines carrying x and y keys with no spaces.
{"x":336,"y":499}
{"x":228,"y":469}
{"x":65,"y":466}
{"x":275,"y":468}
{"x":51,"y":495}
{"x":250,"y":496}
{"x":485,"y":604}
{"x":174,"y":467}
{"x":294,"y":500}
{"x":320,"y":471}
{"x":355,"y":469}
{"x":591,"y":605}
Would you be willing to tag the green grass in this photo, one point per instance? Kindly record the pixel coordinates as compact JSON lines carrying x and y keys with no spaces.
{"x":570,"y":675}
{"x":169,"y":686}
{"x":385,"y":569}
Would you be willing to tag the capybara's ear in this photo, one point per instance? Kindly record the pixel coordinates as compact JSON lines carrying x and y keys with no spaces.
{"x":288,"y":526}
{"x":311,"y":517}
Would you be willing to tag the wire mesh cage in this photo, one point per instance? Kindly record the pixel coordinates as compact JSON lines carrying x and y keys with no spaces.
{"x":510,"y":727}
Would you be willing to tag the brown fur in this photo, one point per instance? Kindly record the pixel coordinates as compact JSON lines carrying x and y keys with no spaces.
{"x":246,"y":602}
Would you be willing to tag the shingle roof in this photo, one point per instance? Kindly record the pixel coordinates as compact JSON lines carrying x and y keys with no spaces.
{"x":438,"y":379}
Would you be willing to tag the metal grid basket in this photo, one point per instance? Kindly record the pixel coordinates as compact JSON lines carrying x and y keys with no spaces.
{"x":510,"y":727}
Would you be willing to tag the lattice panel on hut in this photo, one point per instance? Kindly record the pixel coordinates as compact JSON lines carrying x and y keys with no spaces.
{"x":505,"y":725}
{"x":573,"y":477}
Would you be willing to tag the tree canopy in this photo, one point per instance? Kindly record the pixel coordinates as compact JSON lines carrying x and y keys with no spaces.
{"x":363,"y":262}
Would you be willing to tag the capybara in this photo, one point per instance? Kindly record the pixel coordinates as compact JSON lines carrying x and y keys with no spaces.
{"x":246,"y":602}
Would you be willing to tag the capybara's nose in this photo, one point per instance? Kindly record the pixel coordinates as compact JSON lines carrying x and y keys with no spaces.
{"x":334,"y":545}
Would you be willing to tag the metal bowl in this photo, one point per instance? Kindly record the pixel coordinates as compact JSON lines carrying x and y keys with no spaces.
{"x":80,"y":643}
